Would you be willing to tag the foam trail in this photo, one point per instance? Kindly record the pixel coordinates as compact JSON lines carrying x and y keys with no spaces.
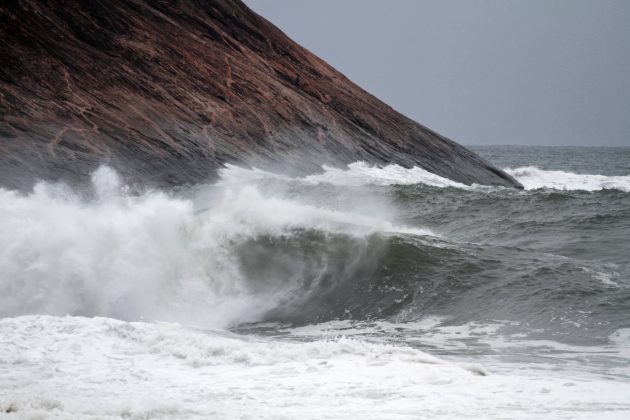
{"x":534,"y":178}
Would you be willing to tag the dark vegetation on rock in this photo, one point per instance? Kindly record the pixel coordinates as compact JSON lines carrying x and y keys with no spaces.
{"x":166,"y":92}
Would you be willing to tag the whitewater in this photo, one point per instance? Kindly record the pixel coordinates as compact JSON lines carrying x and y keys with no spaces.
{"x":359,"y":292}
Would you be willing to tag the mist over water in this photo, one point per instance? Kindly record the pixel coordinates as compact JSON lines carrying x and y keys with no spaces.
{"x":368,"y":269}
{"x":191,"y":257}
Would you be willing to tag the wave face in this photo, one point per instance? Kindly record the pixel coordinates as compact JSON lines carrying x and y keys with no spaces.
{"x":362,"y":243}
{"x":378,"y":270}
{"x":213,"y":257}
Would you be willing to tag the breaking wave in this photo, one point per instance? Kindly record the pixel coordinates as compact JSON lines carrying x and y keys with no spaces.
{"x":356,"y":174}
{"x":332,"y":286}
{"x":534,"y":178}
{"x":220,"y":256}
{"x":259,"y":246}
{"x":361,"y":173}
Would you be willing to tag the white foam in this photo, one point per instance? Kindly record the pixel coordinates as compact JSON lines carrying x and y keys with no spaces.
{"x":622,"y":339}
{"x":356,"y":174}
{"x":607,"y":279}
{"x":235,"y":175}
{"x":361,"y":173}
{"x":534,"y":178}
{"x":153,"y":256}
{"x":82,"y":368}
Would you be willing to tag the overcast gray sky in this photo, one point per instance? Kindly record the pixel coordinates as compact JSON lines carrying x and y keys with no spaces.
{"x":550,"y":72}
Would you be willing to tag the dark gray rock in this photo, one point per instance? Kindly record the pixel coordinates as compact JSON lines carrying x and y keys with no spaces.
{"x":166,"y":92}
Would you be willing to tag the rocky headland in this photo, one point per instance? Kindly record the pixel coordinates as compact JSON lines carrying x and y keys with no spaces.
{"x":167,"y":92}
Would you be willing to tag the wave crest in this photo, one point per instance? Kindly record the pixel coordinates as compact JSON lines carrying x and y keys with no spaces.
{"x":534,"y":178}
{"x":195,"y":258}
{"x":356,"y":174}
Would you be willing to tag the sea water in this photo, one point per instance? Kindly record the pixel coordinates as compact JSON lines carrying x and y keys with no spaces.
{"x":364,"y":292}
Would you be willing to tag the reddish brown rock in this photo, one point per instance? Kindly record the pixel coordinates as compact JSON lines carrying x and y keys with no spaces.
{"x":166,"y":92}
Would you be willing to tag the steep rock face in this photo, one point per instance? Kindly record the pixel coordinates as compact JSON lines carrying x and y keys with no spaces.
{"x":166,"y":92}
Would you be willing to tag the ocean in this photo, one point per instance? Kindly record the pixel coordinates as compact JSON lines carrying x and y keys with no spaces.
{"x":367,"y":293}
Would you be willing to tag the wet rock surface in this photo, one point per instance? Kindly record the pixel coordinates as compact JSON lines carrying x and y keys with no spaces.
{"x":167,"y":92}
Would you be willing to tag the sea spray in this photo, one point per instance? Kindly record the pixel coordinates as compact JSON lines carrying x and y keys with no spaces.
{"x":333,"y":291}
{"x":159,"y":256}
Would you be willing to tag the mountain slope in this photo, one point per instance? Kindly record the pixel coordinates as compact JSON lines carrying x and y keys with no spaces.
{"x":166,"y":92}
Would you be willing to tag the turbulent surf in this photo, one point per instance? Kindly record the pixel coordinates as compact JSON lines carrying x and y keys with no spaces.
{"x":364,"y":292}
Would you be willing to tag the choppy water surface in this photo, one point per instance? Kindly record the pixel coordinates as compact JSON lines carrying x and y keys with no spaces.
{"x":362,"y":293}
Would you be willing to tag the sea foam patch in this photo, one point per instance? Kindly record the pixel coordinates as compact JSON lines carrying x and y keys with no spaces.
{"x":85,"y":368}
{"x":534,"y":178}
